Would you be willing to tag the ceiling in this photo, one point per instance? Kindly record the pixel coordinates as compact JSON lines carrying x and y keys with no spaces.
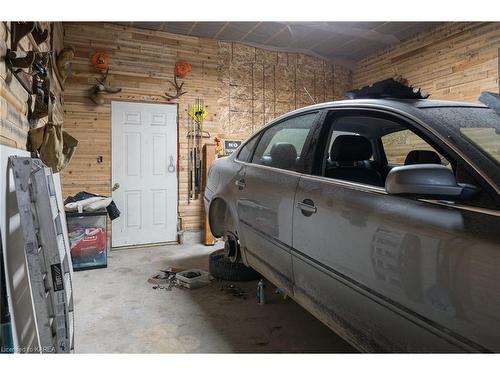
{"x":346,"y":42}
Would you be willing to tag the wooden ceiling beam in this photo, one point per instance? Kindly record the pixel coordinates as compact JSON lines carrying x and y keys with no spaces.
{"x":369,"y":34}
{"x":192,"y":28}
{"x":221,"y":30}
{"x":275,"y":35}
{"x":250,"y":31}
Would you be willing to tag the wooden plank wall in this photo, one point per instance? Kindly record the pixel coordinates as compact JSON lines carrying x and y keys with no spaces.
{"x":142,"y":63}
{"x":242,"y":87}
{"x":14,"y":124}
{"x":456,"y":61}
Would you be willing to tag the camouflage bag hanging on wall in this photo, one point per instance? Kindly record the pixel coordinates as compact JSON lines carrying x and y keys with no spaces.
{"x":54,"y":146}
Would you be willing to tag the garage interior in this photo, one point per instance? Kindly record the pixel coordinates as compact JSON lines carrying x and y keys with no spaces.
{"x":243,"y":74}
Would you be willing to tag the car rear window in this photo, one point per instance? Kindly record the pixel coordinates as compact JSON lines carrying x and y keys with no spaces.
{"x":246,"y":151}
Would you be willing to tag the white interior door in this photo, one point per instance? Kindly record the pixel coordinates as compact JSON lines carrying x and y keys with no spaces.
{"x":144,"y":153}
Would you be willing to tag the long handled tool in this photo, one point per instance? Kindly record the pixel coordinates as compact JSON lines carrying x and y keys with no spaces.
{"x":190,"y":163}
{"x":198,"y":113}
{"x":198,"y":120}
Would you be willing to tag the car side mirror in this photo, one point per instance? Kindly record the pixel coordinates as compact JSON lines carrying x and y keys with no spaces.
{"x":432,"y":181}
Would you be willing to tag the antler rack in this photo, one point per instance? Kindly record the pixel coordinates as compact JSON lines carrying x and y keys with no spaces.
{"x":178,"y":88}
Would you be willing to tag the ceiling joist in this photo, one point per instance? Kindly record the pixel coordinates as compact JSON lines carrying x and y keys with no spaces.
{"x":328,"y":40}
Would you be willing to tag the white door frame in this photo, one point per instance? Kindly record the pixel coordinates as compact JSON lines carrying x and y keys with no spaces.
{"x":176,"y":159}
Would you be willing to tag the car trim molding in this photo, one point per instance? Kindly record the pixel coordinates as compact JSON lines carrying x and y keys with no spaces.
{"x":378,"y":190}
{"x":267,"y":167}
{"x":481,"y":210}
{"x":349,"y":184}
{"x":285,"y":278}
{"x":444,"y":333}
{"x":283,"y":246}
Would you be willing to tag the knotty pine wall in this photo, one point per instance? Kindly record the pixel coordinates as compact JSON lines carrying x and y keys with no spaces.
{"x":243,"y":88}
{"x":456,"y":61}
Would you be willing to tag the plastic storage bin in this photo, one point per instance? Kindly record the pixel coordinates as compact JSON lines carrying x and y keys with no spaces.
{"x":87,"y":232}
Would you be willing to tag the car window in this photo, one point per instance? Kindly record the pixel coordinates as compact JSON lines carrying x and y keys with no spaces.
{"x":486,"y":139}
{"x":399,"y":145}
{"x":358,"y":143}
{"x":281,"y":145}
{"x":480,"y":126}
{"x":247,"y":149}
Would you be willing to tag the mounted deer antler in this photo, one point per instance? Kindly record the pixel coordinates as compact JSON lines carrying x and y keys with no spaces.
{"x":102,"y":87}
{"x":178,"y":88}
{"x":103,"y":84}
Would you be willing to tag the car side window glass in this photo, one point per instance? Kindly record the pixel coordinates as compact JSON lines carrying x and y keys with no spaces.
{"x":246,"y":151}
{"x":358,"y":144}
{"x":405,"y":147}
{"x":281,"y":145}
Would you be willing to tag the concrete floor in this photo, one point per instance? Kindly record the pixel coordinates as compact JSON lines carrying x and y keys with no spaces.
{"x":117,"y":311}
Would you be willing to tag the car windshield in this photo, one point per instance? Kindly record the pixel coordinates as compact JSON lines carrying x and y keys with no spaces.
{"x":480,"y":126}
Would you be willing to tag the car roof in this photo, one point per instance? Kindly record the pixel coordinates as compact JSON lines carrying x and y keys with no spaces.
{"x":416,"y":103}
{"x":381,"y":103}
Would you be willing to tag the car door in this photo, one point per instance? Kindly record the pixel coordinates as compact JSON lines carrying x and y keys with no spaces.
{"x":392,"y":273}
{"x":267,"y":190}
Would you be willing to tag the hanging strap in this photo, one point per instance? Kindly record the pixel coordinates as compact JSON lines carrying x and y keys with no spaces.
{"x":49,"y":79}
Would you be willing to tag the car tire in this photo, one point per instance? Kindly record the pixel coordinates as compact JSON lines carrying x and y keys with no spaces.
{"x":221,"y":267}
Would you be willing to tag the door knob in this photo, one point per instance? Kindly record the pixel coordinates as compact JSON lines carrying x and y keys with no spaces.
{"x":307,"y":207}
{"x":115,"y":186}
{"x":171,"y":166}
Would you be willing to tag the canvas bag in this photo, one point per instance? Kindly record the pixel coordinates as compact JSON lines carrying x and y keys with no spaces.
{"x":54,"y":146}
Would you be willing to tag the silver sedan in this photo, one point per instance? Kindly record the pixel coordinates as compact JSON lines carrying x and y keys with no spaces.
{"x":380,"y":217}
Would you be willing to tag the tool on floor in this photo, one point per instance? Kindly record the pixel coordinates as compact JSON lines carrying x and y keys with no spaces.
{"x":47,"y":255}
{"x":164,"y":277}
{"x":261,"y":297}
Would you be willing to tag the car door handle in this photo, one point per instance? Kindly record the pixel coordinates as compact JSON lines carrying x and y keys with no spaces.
{"x":307,"y":207}
{"x":240,"y":183}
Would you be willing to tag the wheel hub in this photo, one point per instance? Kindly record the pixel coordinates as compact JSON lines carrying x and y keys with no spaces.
{"x":231,"y":247}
